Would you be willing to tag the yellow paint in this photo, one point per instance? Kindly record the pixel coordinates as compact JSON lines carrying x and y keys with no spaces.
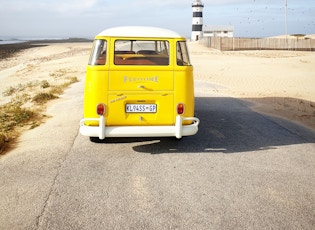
{"x":118,"y":85}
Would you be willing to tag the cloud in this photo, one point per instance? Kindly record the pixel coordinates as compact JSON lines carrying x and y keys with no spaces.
{"x":82,"y":17}
{"x":47,"y":5}
{"x":74,"y":5}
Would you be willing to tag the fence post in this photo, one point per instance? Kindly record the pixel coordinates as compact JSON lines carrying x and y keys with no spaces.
{"x":233,"y":43}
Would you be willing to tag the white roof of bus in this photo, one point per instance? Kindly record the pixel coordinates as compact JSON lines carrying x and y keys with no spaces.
{"x":139,"y":31}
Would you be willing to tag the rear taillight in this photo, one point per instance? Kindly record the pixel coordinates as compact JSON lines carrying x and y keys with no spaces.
{"x":100,"y":109}
{"x":180,"y":108}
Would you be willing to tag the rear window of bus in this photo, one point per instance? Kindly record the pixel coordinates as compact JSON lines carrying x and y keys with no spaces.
{"x":139,"y":52}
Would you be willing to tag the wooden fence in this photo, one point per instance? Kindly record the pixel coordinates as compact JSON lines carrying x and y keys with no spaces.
{"x":233,"y":44}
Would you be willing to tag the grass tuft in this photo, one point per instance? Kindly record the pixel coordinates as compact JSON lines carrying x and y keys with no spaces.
{"x":16,"y":113}
{"x":41,"y":98}
{"x":3,"y":140}
{"x":44,"y":84}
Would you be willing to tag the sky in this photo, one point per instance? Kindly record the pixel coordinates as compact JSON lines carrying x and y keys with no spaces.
{"x":86,"y":18}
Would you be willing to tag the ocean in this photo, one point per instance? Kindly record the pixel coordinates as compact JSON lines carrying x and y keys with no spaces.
{"x":14,"y":40}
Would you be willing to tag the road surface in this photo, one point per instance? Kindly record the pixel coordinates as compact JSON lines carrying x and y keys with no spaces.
{"x":243,"y":170}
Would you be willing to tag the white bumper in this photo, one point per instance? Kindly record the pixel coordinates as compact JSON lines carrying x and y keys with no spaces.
{"x":178,"y":130}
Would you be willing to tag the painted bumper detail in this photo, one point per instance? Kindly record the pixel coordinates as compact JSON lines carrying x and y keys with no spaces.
{"x":178,"y":130}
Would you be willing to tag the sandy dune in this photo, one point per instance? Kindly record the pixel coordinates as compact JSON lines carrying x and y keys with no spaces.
{"x":54,"y":63}
{"x":281,"y":83}
{"x":278,"y":82}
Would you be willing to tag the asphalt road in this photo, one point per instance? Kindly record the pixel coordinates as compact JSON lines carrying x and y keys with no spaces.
{"x":243,"y":170}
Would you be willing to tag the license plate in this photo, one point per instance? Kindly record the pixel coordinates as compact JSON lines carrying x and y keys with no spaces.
{"x":140,"y":108}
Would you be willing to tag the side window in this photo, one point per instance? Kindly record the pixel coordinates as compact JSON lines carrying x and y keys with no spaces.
{"x":182,"y":54}
{"x":98,"y":54}
{"x":141,"y":52}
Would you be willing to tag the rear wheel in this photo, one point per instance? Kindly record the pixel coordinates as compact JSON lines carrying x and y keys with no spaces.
{"x":96,"y":140}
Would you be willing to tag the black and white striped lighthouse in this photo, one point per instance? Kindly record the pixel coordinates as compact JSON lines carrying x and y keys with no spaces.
{"x":197,"y":21}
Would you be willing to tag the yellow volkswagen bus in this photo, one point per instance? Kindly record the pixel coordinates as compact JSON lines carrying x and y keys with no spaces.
{"x":139,"y":83}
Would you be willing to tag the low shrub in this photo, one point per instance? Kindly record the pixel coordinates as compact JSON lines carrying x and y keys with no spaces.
{"x":41,"y":98}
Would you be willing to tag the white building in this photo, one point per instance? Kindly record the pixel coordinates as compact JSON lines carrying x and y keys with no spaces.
{"x":218,"y":31}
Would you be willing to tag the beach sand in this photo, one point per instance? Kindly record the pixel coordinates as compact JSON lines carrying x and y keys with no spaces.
{"x":53,"y":62}
{"x":281,"y":83}
{"x":30,"y":70}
